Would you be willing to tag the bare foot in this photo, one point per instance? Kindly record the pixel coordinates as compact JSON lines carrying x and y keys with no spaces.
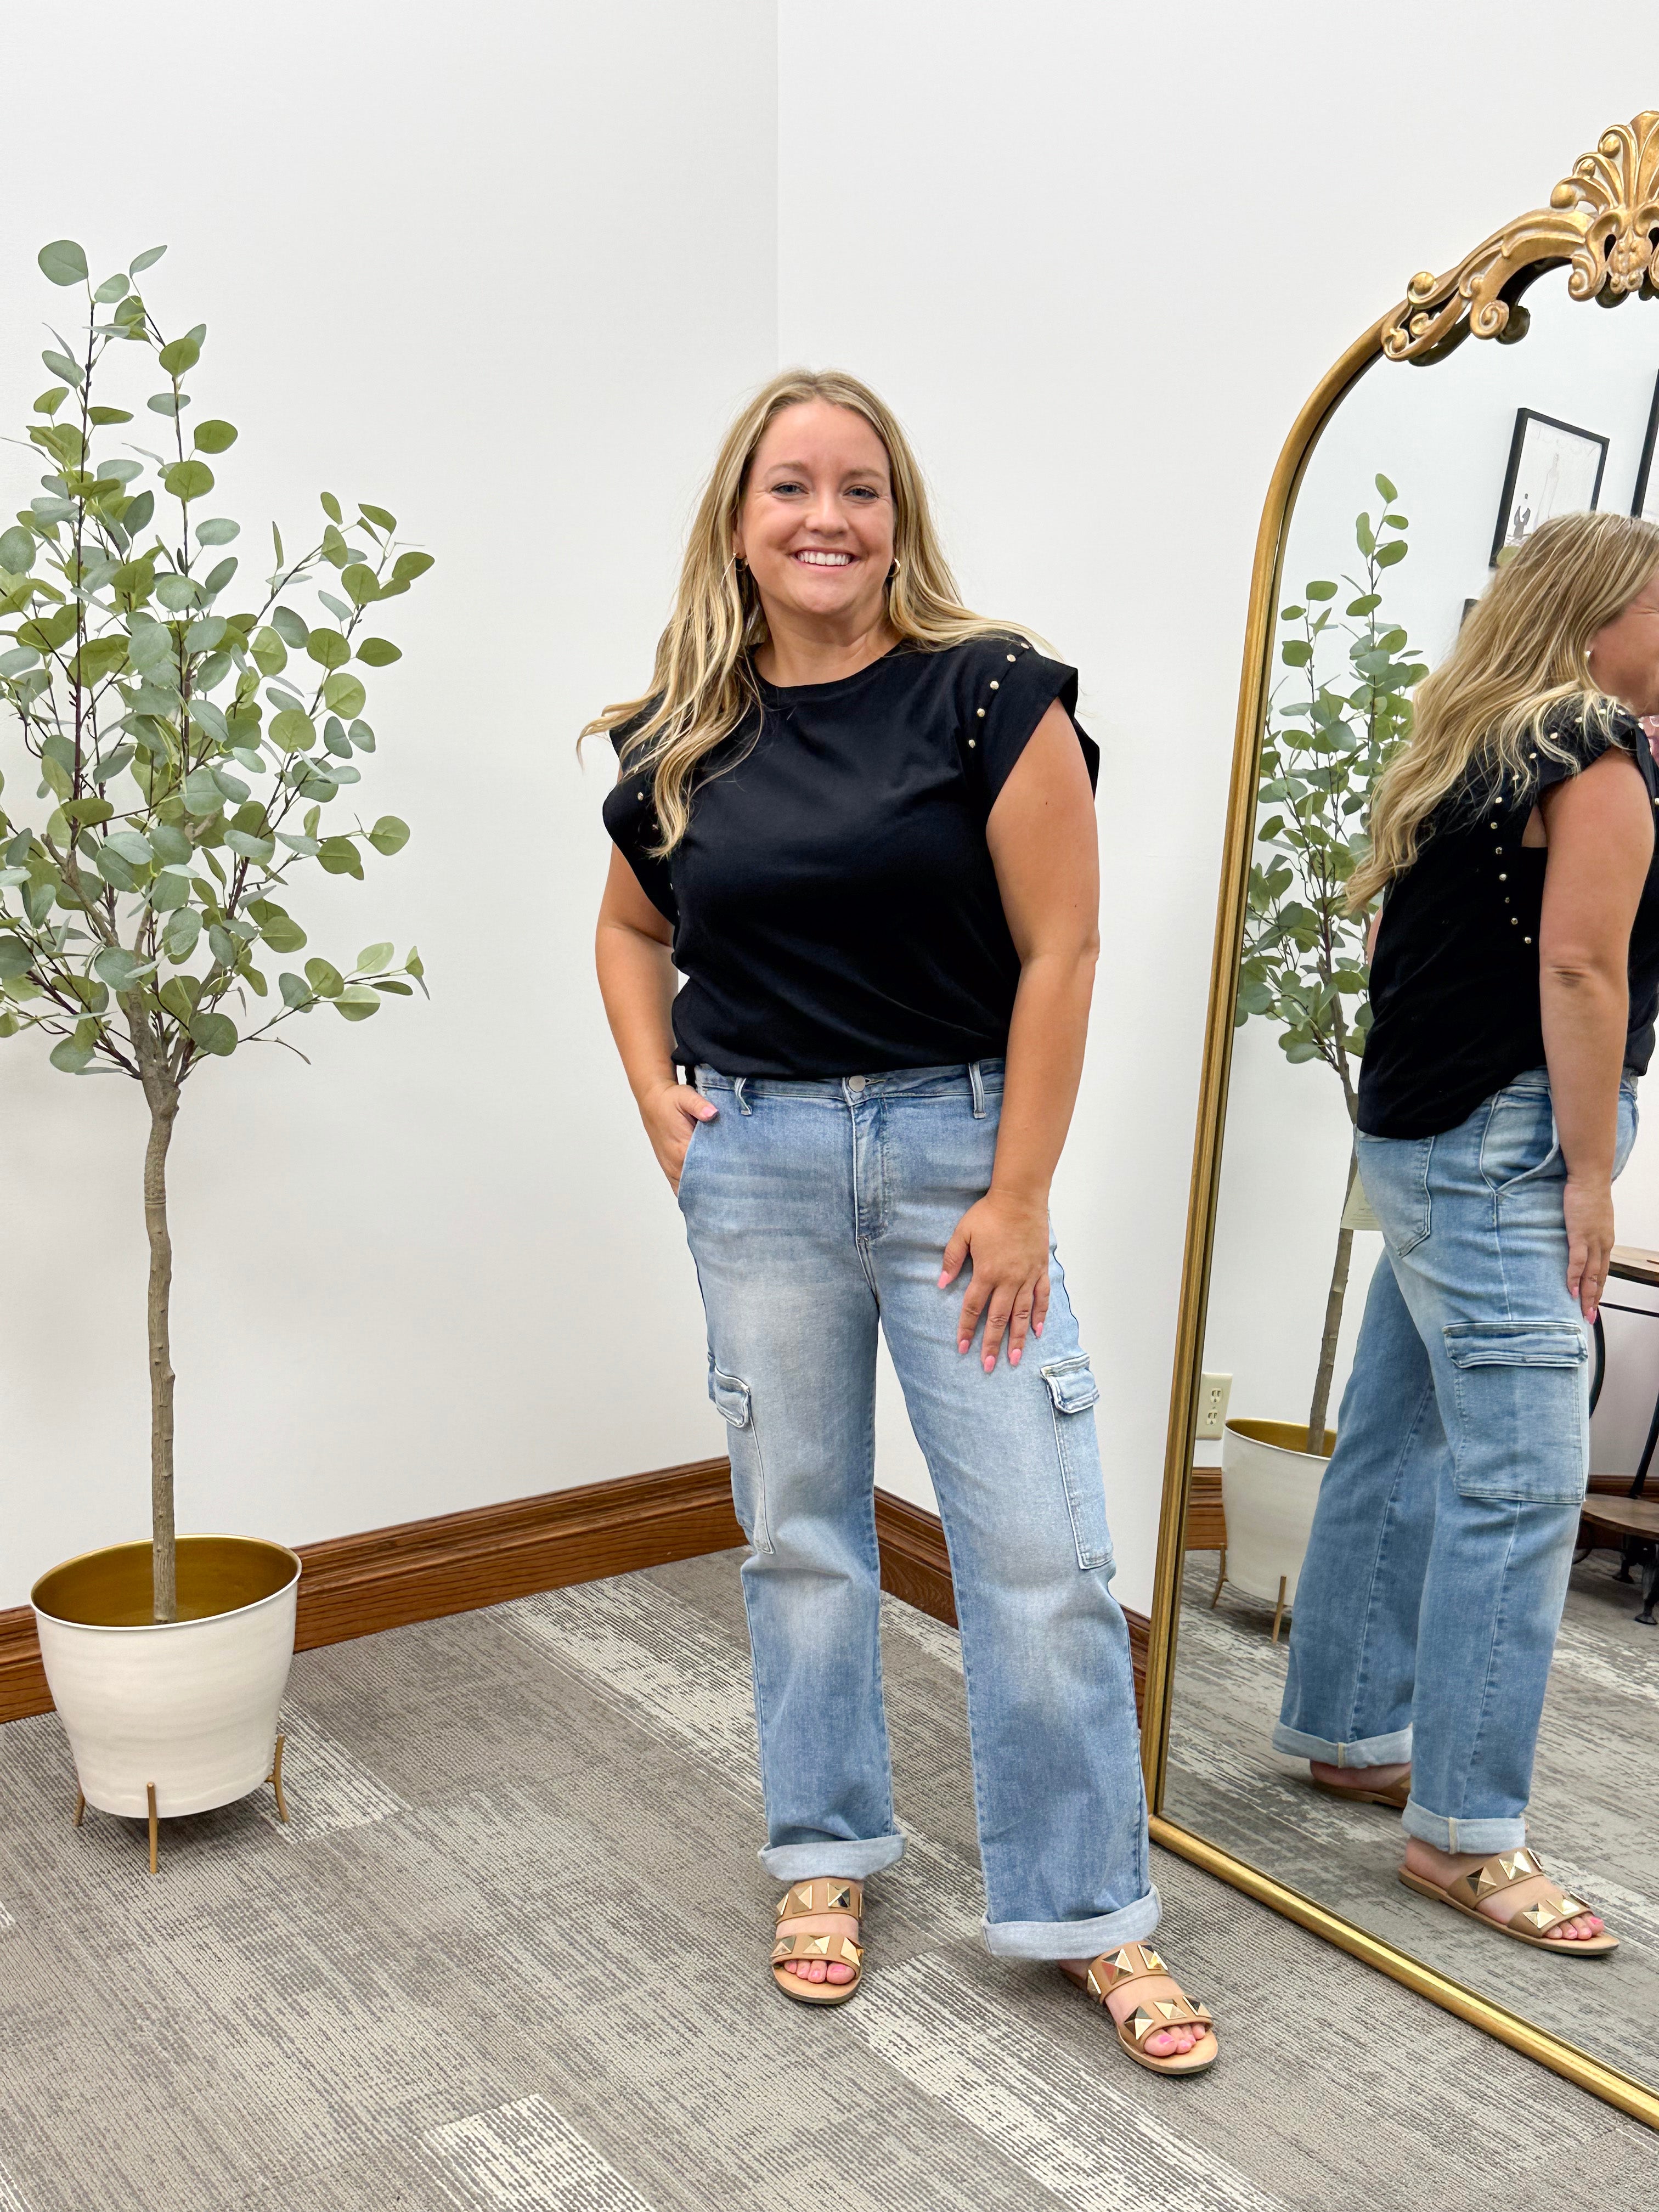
{"x":1446,"y":1866}
{"x":1356,"y":1777}
{"x":1167,"y":2042}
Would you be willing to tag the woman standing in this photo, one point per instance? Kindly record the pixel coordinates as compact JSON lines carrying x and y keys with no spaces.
{"x":1514,"y":990}
{"x":858,"y":818}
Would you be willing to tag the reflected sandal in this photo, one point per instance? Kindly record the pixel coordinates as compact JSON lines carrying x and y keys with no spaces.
{"x":801,"y":1936}
{"x":1138,"y":1962}
{"x":1394,"y":1797}
{"x":1503,"y":1872}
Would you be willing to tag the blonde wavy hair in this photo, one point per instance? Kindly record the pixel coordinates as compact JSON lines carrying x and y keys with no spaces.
{"x":1523,"y":649}
{"x":703,"y":682}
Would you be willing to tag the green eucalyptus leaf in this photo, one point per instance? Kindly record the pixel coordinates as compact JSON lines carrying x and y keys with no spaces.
{"x":215,"y":1033}
{"x":294,"y":990}
{"x":120,"y":968}
{"x":183,"y":930}
{"x":251,"y":848}
{"x":70,"y":1056}
{"x":344,"y":695}
{"x":408,"y":566}
{"x":358,"y":583}
{"x":188,"y":480}
{"x":17,"y":549}
{"x":338,"y":856}
{"x":288,"y":627}
{"x":146,"y":260}
{"x":328,"y":647}
{"x":111,"y":289}
{"x":137,"y":515}
{"x":269,"y":653}
{"x":219,"y":531}
{"x":332,"y":507}
{"x":378,"y":516}
{"x":324,"y":979}
{"x":379,"y":652}
{"x":356,"y":1003}
{"x":180,"y":356}
{"x":61,"y":365}
{"x":101,"y":417}
{"x":391,"y":984}
{"x":293,"y":731}
{"x":220,"y":574}
{"x":214,"y":437}
{"x":63,"y":262}
{"x":15,"y":958}
{"x":362,"y":737}
{"x":374,"y":958}
{"x":389,"y":835}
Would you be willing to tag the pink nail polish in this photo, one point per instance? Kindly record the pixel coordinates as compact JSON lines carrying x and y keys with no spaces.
{"x":989,"y":1365}
{"x":1014,"y":1359}
{"x":962,"y":1344}
{"x":943,"y":1281}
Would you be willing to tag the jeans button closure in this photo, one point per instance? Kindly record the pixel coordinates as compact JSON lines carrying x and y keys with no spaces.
{"x":856,"y":1083}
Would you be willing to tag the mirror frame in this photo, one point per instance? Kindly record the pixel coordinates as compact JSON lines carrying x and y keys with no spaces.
{"x":1603,"y":224}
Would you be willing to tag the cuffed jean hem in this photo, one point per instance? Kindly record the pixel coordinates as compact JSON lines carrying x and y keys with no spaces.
{"x":1394,"y":1750}
{"x":1074,"y":1939}
{"x":1483,"y":1836}
{"x":831,"y":1860}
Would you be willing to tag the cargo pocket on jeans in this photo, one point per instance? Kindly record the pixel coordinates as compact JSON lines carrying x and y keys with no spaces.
{"x":1522,"y":1410}
{"x":1073,"y":1394}
{"x":734,"y":1402}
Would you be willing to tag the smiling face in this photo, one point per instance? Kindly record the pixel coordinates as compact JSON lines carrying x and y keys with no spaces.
{"x":817,"y":521}
{"x":1624,"y":656}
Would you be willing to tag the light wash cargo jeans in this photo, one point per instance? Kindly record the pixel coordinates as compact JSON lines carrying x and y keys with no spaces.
{"x":1427,"y":1609}
{"x":818,"y":1213}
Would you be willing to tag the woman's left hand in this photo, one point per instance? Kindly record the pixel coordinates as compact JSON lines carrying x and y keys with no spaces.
{"x":1006,"y":1239}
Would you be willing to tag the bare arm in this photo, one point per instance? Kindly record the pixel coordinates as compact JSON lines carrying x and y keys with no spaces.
{"x":1600,"y":842}
{"x":1043,"y":847}
{"x":637,"y":981}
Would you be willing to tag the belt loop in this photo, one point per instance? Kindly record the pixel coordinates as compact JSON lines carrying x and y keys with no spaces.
{"x":976,"y":1084}
{"x":743,"y":1106}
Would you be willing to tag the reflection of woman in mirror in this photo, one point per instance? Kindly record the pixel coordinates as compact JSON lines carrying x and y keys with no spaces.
{"x":859,"y":819}
{"x":1514,"y":989}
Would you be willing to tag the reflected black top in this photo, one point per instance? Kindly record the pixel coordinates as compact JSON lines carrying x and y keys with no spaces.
{"x":835,"y":908}
{"x":1455,"y":982}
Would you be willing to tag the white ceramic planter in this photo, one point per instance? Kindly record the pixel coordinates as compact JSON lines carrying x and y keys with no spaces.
{"x":189,"y":1706}
{"x":1269,"y":1489}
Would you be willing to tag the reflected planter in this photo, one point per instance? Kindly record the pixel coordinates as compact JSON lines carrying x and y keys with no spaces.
{"x":187,"y":1708}
{"x":1269,"y":1488}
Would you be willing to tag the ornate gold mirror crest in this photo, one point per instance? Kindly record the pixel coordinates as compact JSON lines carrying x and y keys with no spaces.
{"x":1602,"y":223}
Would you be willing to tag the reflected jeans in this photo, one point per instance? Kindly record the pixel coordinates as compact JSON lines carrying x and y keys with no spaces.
{"x":1426,"y":1613}
{"x":817,"y":1213}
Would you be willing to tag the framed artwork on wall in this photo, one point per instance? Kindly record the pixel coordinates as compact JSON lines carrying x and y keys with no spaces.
{"x":1646,"y":502}
{"x":1555,"y":468}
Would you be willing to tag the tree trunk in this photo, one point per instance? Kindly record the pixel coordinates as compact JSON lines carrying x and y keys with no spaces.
{"x":1339,"y":1292}
{"x":164,"y":1106}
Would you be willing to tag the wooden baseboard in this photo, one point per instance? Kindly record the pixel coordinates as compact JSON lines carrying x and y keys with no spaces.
{"x":422,"y":1570}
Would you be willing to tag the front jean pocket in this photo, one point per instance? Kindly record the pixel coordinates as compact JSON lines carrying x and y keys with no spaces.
{"x":1394,"y":1174}
{"x":1522,"y":1410}
{"x":734,"y":1401}
{"x":1519,"y":1144}
{"x":1073,"y":1394}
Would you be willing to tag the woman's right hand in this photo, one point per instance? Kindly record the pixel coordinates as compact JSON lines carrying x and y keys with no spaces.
{"x":670,"y":1112}
{"x":1588,"y":1205}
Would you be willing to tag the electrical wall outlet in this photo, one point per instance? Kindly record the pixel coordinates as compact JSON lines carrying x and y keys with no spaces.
{"x":1213,"y":1392}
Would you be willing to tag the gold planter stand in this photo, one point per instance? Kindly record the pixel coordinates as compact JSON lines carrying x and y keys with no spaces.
{"x":275,"y":1779}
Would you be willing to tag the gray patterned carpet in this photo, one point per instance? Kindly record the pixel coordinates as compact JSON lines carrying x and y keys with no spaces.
{"x":510,"y":1953}
{"x":1594,"y":1815}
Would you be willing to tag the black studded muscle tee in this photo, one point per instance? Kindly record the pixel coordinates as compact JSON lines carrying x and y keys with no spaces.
{"x":1454,"y":1004}
{"x":835,"y":908}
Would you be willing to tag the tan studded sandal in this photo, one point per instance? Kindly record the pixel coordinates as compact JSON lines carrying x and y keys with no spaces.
{"x":1466,"y":1891}
{"x":1138,"y":1962}
{"x":802,"y":1934}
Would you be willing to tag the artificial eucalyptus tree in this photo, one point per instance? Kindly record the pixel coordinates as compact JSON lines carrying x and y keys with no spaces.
{"x":184,"y":757}
{"x":1304,"y":964}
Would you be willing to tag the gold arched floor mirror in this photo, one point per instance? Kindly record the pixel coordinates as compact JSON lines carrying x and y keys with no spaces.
{"x":1462,"y":420}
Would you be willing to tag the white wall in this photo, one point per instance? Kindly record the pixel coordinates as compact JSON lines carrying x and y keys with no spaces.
{"x":506,"y":269}
{"x":509,"y":272}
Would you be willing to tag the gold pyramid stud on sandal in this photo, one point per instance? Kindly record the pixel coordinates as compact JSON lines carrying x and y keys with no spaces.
{"x":802,"y":1935}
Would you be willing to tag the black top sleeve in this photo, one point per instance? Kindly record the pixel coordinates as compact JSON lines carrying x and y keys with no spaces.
{"x":1581,"y":731}
{"x":1008,"y":688}
{"x":631,"y":819}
